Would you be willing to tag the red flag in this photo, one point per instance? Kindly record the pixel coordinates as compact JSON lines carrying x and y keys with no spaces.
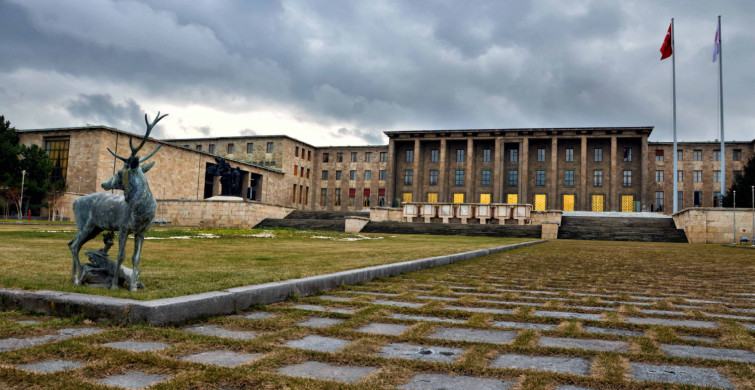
{"x":666,"y":50}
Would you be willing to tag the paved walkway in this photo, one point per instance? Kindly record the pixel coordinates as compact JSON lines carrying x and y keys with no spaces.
{"x":453,"y":327}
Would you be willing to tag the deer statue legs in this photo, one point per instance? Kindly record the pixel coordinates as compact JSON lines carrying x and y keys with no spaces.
{"x":138,"y":240}
{"x":122,"y":239}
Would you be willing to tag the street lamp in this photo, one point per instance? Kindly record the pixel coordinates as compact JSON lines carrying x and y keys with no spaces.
{"x":79,"y":185}
{"x":734,"y":210}
{"x":21,"y":201}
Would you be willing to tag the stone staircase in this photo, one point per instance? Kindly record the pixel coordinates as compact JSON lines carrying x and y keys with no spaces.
{"x":620,"y":229}
{"x":311,"y":220}
{"x":453,"y":229}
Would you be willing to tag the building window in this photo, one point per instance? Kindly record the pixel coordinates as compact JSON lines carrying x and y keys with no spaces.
{"x":716,"y":155}
{"x":409,"y":156}
{"x":459,"y":177}
{"x":339,"y":175}
{"x":717,"y":199}
{"x":272,"y":163}
{"x":679,"y":155}
{"x":353,"y":174}
{"x":381,"y":197}
{"x":383,"y":156}
{"x":325,"y":157}
{"x":697,"y":176}
{"x":307,"y":173}
{"x":367,"y":156}
{"x":434,"y":155}
{"x":367,"y":175}
{"x":679,"y":198}
{"x":433,"y":177}
{"x":627,"y":178}
{"x":459,"y":155}
{"x":382,"y":174}
{"x":659,"y":176}
{"x":597,"y":178}
{"x":486,"y":155}
{"x":198,"y":147}
{"x":598,"y":154}
{"x":627,"y":154}
{"x":485,"y":177}
{"x":366,"y":197}
{"x":679,"y":175}
{"x":339,"y":156}
{"x":296,"y":170}
{"x":249,"y":147}
{"x":186,"y":146}
{"x":408,"y":177}
{"x":230,"y":148}
{"x":57,"y":152}
{"x":659,"y":201}
{"x":324,"y":175}
{"x":270,"y":146}
{"x":540,"y":177}
{"x":569,"y":178}
{"x":337,"y":198}
{"x":697,"y":198}
{"x":459,"y":197}
{"x":658,"y":155}
{"x":513,"y":155}
{"x":354,"y":157}
{"x":737,"y":156}
{"x":717,"y":176}
{"x":513,"y":178}
{"x":697,"y":155}
{"x":569,"y":154}
{"x":323,"y":197}
{"x":309,"y":155}
{"x":352,"y":197}
{"x":296,"y":151}
{"x":541,"y":154}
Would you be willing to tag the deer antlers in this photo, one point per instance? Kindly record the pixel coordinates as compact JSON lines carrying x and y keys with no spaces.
{"x":144,"y":140}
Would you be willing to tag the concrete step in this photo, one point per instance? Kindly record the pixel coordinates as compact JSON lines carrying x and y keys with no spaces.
{"x":302,"y":224}
{"x":453,"y":229}
{"x":621,"y":229}
{"x":325,"y":215}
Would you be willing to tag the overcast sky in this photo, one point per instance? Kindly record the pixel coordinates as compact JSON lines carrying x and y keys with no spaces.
{"x":342,"y":72}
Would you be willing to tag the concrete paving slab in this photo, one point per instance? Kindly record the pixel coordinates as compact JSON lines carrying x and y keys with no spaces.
{"x":333,"y":298}
{"x":224,"y":358}
{"x":566,"y":365}
{"x":662,"y":321}
{"x":663,"y":312}
{"x":13,"y":343}
{"x":565,"y":314}
{"x":592,"y":345}
{"x":569,"y":387}
{"x":386,"y":329}
{"x":257,"y":315}
{"x":434,"y":298}
{"x":730,"y":316}
{"x":698,"y":338}
{"x":594,"y":308}
{"x":73,"y":332}
{"x":444,"y":382}
{"x":27,"y":322}
{"x":680,"y":374}
{"x":133,"y":380}
{"x":749,"y":326}
{"x":318,"y":343}
{"x":517,"y":303}
{"x":524,"y":325}
{"x":214,"y":330}
{"x":691,"y":300}
{"x":137,"y":346}
{"x":51,"y":366}
{"x":397,"y":303}
{"x":687,"y":351}
{"x":473,"y":335}
{"x":416,"y":352}
{"x":480,"y":309}
{"x":323,"y":309}
{"x":429,"y":319}
{"x":317,"y":322}
{"x":618,"y":332}
{"x":312,"y":369}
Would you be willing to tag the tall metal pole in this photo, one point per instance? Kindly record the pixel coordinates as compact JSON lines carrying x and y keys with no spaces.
{"x":21,"y":208}
{"x":79,"y":185}
{"x":674,"y":152}
{"x":752,"y":232}
{"x":721,"y":105}
{"x":734,"y":210}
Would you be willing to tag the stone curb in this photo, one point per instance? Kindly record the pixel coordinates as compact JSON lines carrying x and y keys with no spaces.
{"x":185,"y":308}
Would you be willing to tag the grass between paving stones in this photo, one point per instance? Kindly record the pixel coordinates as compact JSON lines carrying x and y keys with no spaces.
{"x":179,"y":262}
{"x":702,"y":271}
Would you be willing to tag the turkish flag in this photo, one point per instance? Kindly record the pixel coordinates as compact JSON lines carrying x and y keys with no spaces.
{"x":666,"y":50}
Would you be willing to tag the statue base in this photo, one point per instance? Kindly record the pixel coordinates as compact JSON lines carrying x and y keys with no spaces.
{"x":99,"y":271}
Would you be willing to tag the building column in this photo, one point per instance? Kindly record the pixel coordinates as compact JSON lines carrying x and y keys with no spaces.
{"x":470,"y":173}
{"x":417,"y":168}
{"x":497,"y":181}
{"x":614,"y":203}
{"x":554,"y":184}
{"x":645,"y":171}
{"x":442,"y":177}
{"x":524,"y":170}
{"x":583,"y":201}
{"x":390,"y":184}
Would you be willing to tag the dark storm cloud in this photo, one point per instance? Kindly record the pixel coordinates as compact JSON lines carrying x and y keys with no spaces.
{"x":388,"y":65}
{"x":101,"y":110}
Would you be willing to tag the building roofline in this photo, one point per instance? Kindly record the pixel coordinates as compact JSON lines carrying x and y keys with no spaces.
{"x":699,"y":142}
{"x":395,"y":132}
{"x":353,"y":146}
{"x":237,"y":138}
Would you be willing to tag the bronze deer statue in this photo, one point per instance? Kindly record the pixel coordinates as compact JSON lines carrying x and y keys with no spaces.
{"x":130,"y":213}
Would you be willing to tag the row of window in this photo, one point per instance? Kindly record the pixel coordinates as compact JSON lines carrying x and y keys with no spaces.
{"x":697,"y":200}
{"x":352,"y":197}
{"x":231,"y":148}
{"x":299,"y":171}
{"x":382,"y":175}
{"x":355,"y":157}
{"x":303,"y":195}
{"x":513,"y":179}
{"x":697,"y":155}
{"x":514,"y":155}
{"x":697,"y":176}
{"x":296,"y":152}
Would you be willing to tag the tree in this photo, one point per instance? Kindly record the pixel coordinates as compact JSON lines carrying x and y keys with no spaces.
{"x":54,"y":197}
{"x":9,"y":151}
{"x":742,"y":184}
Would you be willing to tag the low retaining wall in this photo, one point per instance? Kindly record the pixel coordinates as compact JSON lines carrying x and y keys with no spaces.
{"x":181,"y":309}
{"x":217,"y":213}
{"x":380,"y":214}
{"x":714,"y":225}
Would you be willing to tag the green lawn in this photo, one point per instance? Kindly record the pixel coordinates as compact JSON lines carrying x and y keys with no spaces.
{"x":37,"y":257}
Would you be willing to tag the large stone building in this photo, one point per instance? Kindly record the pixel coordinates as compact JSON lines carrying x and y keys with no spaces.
{"x":598,"y":169}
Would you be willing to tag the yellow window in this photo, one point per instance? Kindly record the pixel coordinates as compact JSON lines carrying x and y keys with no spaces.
{"x":406,"y":197}
{"x":485,"y":198}
{"x":627,"y":203}
{"x":597,"y":203}
{"x":568,"y":202}
{"x":459,"y":198}
{"x":540,"y":201}
{"x":512,"y":198}
{"x":432,"y":197}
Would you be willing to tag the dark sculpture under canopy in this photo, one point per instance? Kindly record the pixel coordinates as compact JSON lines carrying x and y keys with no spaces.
{"x":130,"y":213}
{"x":230,"y":178}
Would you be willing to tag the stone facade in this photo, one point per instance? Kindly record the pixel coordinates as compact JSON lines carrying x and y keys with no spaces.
{"x":351,"y":171}
{"x":714,"y":225}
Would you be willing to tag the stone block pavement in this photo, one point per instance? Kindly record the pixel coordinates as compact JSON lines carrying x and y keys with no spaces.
{"x":432,"y":329}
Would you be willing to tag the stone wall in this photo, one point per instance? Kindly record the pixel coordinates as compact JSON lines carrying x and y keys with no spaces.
{"x":714,"y":225}
{"x":539,"y":217}
{"x":217,"y":213}
{"x":380,"y":214}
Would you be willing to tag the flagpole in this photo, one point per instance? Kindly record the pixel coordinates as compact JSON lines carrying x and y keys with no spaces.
{"x":674,"y":151}
{"x":721,"y":105}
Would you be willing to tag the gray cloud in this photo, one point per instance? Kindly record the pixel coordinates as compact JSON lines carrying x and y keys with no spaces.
{"x":248,"y":132}
{"x":101,"y":110}
{"x":369,"y":137}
